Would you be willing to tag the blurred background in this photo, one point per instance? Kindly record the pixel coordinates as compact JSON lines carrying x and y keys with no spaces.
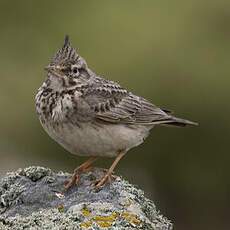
{"x":174,"y":53}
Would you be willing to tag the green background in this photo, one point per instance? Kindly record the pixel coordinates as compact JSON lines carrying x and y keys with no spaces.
{"x":174,"y":53}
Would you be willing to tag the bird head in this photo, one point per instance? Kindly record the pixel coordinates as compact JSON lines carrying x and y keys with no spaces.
{"x":67,"y":68}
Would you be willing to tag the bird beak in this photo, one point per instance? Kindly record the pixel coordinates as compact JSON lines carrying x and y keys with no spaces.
{"x":49,"y":68}
{"x":55,"y":70}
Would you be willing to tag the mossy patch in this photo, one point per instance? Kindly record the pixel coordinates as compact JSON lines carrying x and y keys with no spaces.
{"x":33,"y":198}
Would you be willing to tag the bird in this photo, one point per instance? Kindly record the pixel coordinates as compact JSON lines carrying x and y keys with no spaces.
{"x":91,"y":116}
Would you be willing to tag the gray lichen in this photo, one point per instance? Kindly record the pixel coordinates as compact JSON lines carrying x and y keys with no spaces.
{"x":33,"y":198}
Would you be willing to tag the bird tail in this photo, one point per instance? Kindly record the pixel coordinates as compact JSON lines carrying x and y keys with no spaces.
{"x":175,"y":121}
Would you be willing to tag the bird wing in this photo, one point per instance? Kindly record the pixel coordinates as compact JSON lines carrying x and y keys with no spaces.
{"x":112,"y":103}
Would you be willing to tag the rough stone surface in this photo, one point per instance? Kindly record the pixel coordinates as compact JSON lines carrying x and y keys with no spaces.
{"x":33,"y":198}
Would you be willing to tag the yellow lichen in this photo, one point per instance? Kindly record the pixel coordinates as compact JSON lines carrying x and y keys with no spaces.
{"x":86,"y":224}
{"x":101,"y":221}
{"x":85,"y":212}
{"x":104,"y":224}
{"x":131,"y":218}
{"x":105,"y":221}
{"x":111,"y":217}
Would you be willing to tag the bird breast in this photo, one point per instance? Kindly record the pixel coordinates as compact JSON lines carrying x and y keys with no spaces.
{"x":94,"y":139}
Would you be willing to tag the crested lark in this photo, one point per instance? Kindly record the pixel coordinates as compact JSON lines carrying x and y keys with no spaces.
{"x":91,"y":116}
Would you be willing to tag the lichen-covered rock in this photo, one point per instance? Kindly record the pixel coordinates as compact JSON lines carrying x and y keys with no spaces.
{"x":33,"y":198}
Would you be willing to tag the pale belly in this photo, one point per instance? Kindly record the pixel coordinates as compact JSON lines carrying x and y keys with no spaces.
{"x":94,"y":140}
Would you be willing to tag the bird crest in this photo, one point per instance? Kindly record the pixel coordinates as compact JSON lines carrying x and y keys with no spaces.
{"x":65,"y":53}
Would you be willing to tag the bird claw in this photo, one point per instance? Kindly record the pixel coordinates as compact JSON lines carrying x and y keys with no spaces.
{"x":85,"y":167}
{"x":73,"y":180}
{"x":107,"y":178}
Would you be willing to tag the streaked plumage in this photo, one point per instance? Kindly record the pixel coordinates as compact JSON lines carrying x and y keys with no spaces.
{"x":91,"y":116}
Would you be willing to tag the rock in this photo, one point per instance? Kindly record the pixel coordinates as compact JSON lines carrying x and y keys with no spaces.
{"x":33,"y":198}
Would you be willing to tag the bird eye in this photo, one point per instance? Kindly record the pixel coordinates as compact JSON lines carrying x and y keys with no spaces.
{"x":75,"y":70}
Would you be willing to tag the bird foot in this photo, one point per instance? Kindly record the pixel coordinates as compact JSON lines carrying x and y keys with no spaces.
{"x":73,"y":180}
{"x":107,"y":178}
{"x":76,"y":176}
{"x":85,"y":167}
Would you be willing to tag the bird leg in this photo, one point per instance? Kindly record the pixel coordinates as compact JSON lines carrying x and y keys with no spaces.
{"x":107,"y":177}
{"x":86,"y":166}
